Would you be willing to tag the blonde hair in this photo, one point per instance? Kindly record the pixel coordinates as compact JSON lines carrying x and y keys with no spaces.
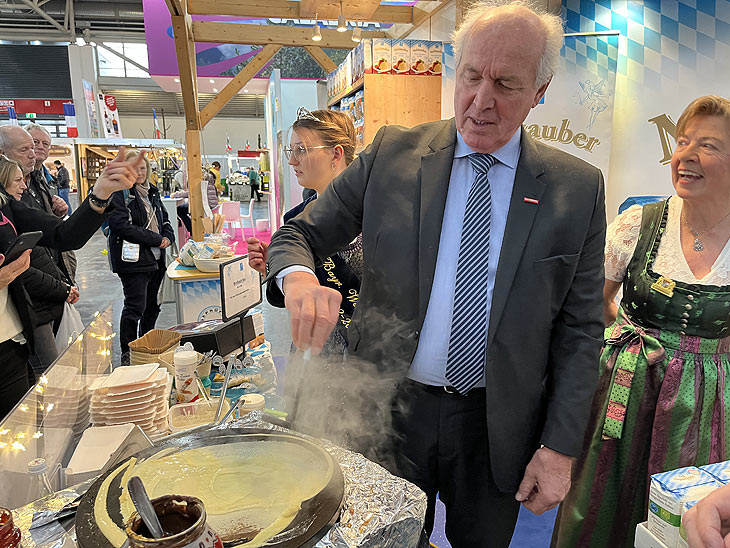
{"x":333,"y":128}
{"x":708,"y":105}
{"x":8,"y":168}
{"x":551,"y":24}
{"x":132,"y":154}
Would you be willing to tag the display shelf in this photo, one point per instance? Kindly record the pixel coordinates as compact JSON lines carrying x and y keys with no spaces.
{"x":49,"y":421}
{"x":406,"y":100}
{"x":356,"y":86}
{"x":645,"y":539}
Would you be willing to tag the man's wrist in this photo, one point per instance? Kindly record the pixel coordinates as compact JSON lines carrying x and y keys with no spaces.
{"x":98,"y":201}
{"x":299,"y":277}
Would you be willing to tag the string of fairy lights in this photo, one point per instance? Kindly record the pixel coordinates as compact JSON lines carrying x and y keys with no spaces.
{"x":16,"y":440}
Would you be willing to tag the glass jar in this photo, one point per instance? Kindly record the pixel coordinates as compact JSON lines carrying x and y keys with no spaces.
{"x":9,"y":533}
{"x":39,"y":486}
{"x":183,"y":520}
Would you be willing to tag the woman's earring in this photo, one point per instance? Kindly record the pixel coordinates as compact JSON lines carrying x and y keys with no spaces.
{"x":333,"y":165}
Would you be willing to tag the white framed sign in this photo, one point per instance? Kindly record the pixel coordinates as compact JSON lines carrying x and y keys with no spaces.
{"x":240,"y":287}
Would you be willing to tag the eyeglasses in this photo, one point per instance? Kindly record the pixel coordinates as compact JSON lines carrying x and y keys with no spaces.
{"x":300,"y":151}
{"x":304,"y":114}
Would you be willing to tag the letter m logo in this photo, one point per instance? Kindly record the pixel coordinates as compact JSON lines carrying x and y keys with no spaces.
{"x":666,"y":127}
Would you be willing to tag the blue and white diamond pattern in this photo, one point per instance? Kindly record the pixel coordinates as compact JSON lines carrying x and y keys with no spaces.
{"x":200,"y":297}
{"x":662,"y":43}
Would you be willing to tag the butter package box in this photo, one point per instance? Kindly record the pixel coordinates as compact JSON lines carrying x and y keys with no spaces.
{"x":435,"y":54}
{"x":419,"y":57}
{"x":401,"y":56}
{"x":682,"y":538}
{"x":382,"y":55}
{"x":668,"y":492}
{"x":720,"y":471}
{"x":367,"y":56}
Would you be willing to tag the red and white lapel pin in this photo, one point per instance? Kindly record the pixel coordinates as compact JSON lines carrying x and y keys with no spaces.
{"x":530,"y":200}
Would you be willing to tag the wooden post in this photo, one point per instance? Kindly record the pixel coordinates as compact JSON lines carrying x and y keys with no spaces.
{"x":182,"y":26}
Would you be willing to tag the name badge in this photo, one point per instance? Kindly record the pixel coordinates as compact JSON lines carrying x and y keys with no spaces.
{"x":665,"y":286}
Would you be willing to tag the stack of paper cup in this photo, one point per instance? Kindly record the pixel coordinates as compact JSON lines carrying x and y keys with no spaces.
{"x":186,"y":389}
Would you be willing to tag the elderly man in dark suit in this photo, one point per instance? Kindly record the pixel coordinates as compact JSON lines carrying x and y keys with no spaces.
{"x":483,"y":268}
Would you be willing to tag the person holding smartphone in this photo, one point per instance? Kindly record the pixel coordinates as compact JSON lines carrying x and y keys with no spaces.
{"x":47,"y":285}
{"x":17,"y":318}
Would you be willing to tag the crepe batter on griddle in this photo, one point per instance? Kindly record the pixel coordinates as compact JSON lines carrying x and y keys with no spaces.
{"x":244,"y":486}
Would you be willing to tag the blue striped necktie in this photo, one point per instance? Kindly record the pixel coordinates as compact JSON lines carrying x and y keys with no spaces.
{"x":468,"y":341}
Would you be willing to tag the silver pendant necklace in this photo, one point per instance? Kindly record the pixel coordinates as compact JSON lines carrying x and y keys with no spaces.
{"x":697,"y":244}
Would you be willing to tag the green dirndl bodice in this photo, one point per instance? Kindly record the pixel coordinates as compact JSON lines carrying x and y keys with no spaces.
{"x":662,"y":399}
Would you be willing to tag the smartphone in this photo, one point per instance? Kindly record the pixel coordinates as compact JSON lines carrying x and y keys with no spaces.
{"x":22,"y":243}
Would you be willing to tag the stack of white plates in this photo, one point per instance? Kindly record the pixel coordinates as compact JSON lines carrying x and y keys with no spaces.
{"x":66,"y":399}
{"x":137,"y":394}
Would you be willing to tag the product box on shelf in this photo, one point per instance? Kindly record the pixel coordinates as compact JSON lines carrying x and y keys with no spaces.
{"x":330,"y":86}
{"x":349,"y":70}
{"x":359,"y":108}
{"x":720,"y":471}
{"x":382,"y":55}
{"x":367,"y":56}
{"x":401,"y":56}
{"x":682,"y":538}
{"x":419,"y":57}
{"x":359,"y":61}
{"x":435,"y":55}
{"x":668,"y":492}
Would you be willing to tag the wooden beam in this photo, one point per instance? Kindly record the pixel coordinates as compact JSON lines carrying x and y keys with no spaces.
{"x":185,"y":49}
{"x":284,"y":9}
{"x":176,"y":7}
{"x":330,"y":9}
{"x":194,"y":164}
{"x":234,"y":33}
{"x":323,"y":60}
{"x":234,"y":86}
{"x":421,"y":16}
{"x":187,"y":69}
{"x":288,"y":9}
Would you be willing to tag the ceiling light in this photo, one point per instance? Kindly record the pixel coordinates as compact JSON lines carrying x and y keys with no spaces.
{"x":212,"y":81}
{"x":341,"y":21}
{"x":317,"y":35}
{"x":215,"y":90}
{"x":245,"y":91}
{"x":177,"y":80}
{"x":356,"y":34}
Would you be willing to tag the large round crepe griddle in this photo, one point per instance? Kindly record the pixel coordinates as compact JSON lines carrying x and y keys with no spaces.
{"x":314,"y":519}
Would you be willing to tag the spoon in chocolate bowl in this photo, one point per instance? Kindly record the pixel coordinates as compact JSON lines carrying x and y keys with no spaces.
{"x":142,"y":503}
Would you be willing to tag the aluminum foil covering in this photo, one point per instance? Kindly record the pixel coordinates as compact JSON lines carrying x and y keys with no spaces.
{"x":379,"y":510}
{"x":53,"y":535}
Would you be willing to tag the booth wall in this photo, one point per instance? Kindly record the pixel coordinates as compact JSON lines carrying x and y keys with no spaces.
{"x":670,"y":52}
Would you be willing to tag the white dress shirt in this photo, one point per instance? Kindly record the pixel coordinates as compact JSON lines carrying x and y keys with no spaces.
{"x":429,"y":363}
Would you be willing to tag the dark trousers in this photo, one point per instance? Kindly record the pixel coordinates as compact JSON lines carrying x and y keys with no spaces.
{"x":443,"y":448}
{"x":183,"y":213}
{"x":140,"y":304}
{"x":16,"y":375}
{"x":255,"y":190}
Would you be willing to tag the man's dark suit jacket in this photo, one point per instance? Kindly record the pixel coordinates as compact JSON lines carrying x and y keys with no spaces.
{"x":545,"y":328}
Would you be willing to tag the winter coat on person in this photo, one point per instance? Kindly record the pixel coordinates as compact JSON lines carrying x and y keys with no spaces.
{"x":128,"y":222}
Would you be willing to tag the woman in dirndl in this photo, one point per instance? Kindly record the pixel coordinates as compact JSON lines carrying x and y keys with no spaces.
{"x":664,"y":391}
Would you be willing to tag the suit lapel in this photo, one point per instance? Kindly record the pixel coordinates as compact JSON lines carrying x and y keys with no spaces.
{"x":435,"y":175}
{"x":519,"y":224}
